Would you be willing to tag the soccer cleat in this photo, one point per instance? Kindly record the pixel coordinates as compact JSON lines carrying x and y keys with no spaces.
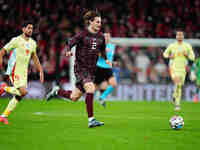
{"x":2,"y":86}
{"x":195,"y":99}
{"x":53,"y":93}
{"x":177,"y":108}
{"x":102,"y":102}
{"x":94,"y":123}
{"x":3,"y":120}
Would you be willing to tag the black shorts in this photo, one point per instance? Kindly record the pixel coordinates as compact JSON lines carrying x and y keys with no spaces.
{"x":102,"y":74}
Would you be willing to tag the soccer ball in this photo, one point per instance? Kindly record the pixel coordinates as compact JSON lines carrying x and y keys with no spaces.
{"x":176,"y":122}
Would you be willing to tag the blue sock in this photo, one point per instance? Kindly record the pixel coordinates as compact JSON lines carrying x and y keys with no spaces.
{"x":106,"y":92}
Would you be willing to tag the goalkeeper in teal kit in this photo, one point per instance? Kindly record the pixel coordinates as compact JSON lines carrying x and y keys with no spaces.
{"x":195,"y":76}
{"x":104,"y":77}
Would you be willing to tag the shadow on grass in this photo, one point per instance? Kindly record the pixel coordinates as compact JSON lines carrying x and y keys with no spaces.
{"x":179,"y":130}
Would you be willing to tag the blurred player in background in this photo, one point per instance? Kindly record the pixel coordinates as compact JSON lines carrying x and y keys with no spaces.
{"x":104,"y":78}
{"x":195,"y":75}
{"x":20,"y":49}
{"x":89,"y":43}
{"x":179,"y":53}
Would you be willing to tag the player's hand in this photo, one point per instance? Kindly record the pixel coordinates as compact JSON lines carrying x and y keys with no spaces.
{"x":1,"y":63}
{"x":115,"y":63}
{"x":68,"y":53}
{"x":109,"y":63}
{"x":41,"y":76}
{"x":192,"y":76}
{"x":171,"y":56}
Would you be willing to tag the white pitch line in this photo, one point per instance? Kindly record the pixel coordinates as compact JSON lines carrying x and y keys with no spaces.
{"x":105,"y":115}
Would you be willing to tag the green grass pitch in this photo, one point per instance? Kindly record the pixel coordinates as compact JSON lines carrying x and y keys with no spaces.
{"x":61,"y":125}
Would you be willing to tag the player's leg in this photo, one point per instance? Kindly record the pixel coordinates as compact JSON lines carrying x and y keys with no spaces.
{"x":90,"y":89}
{"x":196,"y":97}
{"x":73,"y":95}
{"x":176,"y":80}
{"x":2,"y":86}
{"x":172,"y":76}
{"x":52,"y":93}
{"x":13,"y":89}
{"x":76,"y":94}
{"x":179,"y":82}
{"x":57,"y":91}
{"x":99,"y":80}
{"x":176,"y":84}
{"x":12,"y":104}
{"x":112,"y":83}
{"x":102,"y":89}
{"x":178,"y":97}
{"x":10,"y":89}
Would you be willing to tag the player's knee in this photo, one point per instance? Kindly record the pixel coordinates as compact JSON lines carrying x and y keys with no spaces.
{"x":74,"y":98}
{"x":18,"y":98}
{"x":89,"y":88}
{"x":103,"y":86}
{"x":114,"y":84}
{"x":176,"y":80}
{"x":23,"y":92}
{"x":180,"y":84}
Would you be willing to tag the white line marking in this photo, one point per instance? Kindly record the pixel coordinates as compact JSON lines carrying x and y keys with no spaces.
{"x":105,"y":115}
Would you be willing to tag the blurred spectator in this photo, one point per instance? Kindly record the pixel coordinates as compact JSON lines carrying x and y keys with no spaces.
{"x":155,"y":18}
{"x":161,"y":70}
{"x":142,"y":62}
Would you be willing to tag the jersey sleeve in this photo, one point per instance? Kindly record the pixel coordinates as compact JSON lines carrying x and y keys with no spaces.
{"x":167,"y":52}
{"x":35,"y":48}
{"x":11,"y":45}
{"x":191,"y":55}
{"x":74,"y":41}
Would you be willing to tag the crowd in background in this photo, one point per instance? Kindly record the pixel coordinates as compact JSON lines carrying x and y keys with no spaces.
{"x":57,"y":21}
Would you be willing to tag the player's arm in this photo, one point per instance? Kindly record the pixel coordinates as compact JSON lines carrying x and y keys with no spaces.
{"x":190,"y":54}
{"x":103,"y":52}
{"x":192,"y":73}
{"x":168,"y":52}
{"x":7,"y":48}
{"x":71,"y":43}
{"x":2,"y":53}
{"x":38,"y":66}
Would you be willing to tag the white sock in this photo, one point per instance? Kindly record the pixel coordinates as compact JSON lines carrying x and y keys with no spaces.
{"x":90,"y":119}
